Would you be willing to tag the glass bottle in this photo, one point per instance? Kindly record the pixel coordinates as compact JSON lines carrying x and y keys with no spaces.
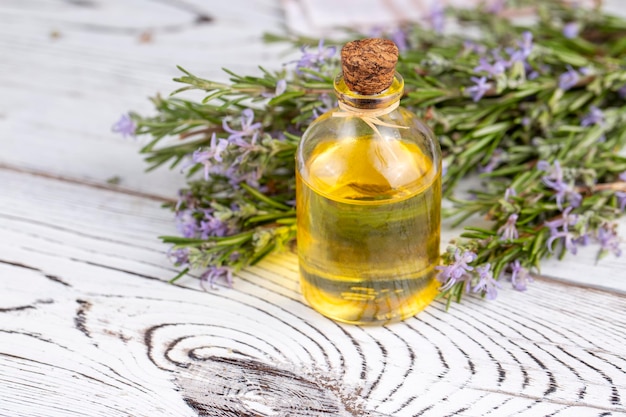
{"x":368,"y":208}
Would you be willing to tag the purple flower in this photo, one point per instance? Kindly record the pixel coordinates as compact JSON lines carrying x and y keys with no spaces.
{"x":574,"y":198}
{"x":495,"y":6}
{"x":437,"y":17}
{"x":281,"y":87}
{"x":477,"y":91}
{"x":543,"y":166}
{"x":212,"y":226}
{"x":470,"y":46}
{"x":526,"y":44}
{"x":508,"y":231}
{"x":621,"y":199}
{"x":184,"y":198}
{"x":622,"y":176}
{"x":213,"y":273}
{"x":582,"y":240}
{"x":213,"y":153}
{"x":564,"y":222}
{"x":486,"y":282}
{"x":495,"y":160}
{"x":555,"y":181}
{"x":568,"y":240}
{"x":622,"y":92}
{"x":236,"y":176}
{"x":568,"y":79}
{"x":327,"y":105}
{"x":571,"y":30}
{"x":400,"y":38}
{"x":247,"y":129}
{"x":314,"y":60}
{"x":494,"y":69}
{"x":456,"y":271}
{"x":531,"y":72}
{"x":497,"y":56}
{"x":187,"y":224}
{"x":594,"y":117}
{"x":178,"y":256}
{"x":520,"y":276}
{"x":609,"y":240}
{"x":509,"y":193}
{"x":125,"y":126}
{"x":532,"y":75}
{"x":525,"y":48}
{"x":545,"y":69}
{"x":516,"y":55}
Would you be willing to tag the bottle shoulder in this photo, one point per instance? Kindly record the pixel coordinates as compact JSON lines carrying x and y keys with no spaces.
{"x":400,"y":123}
{"x":346,"y":159}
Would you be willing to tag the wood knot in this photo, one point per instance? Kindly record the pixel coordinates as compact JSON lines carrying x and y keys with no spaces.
{"x":369,"y":65}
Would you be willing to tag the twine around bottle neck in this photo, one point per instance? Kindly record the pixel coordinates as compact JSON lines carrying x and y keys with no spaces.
{"x":369,"y":116}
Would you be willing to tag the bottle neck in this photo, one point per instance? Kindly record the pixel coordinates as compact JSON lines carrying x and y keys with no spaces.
{"x":384,"y":99}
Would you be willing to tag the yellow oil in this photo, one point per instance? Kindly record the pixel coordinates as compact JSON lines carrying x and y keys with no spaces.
{"x":368,"y":229}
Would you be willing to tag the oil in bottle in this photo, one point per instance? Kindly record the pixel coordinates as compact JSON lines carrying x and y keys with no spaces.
{"x":368,"y":203}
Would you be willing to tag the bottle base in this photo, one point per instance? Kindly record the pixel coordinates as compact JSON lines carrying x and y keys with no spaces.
{"x":369,"y":302}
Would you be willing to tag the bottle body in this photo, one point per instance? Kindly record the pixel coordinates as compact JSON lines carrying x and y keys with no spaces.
{"x":368,"y":203}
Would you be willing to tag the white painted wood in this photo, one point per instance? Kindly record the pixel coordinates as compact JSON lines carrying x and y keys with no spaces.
{"x":90,"y":326}
{"x":85,"y":310}
{"x":61,"y":95}
{"x":318,"y":18}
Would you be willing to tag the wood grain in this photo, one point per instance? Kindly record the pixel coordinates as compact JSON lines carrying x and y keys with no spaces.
{"x":69,"y":70}
{"x":87,"y":313}
{"x":90,"y":326}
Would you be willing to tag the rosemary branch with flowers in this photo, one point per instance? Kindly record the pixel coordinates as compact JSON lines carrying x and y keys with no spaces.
{"x":537,"y":112}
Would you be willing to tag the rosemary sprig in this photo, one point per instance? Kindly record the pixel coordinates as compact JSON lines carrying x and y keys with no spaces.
{"x":538,"y":113}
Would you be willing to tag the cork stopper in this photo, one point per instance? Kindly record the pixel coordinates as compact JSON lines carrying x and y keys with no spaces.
{"x":369,"y":65}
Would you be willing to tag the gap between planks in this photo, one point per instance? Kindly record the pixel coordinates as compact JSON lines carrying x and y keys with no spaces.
{"x":153,"y":197}
{"x":85,"y":183}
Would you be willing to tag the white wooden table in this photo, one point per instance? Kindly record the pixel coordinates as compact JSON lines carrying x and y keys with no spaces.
{"x":89,"y":325}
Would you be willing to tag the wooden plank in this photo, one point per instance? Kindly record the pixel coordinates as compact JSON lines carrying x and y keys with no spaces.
{"x":89,"y":326}
{"x":86,"y":310}
{"x":70,"y":69}
{"x":61,"y":95}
